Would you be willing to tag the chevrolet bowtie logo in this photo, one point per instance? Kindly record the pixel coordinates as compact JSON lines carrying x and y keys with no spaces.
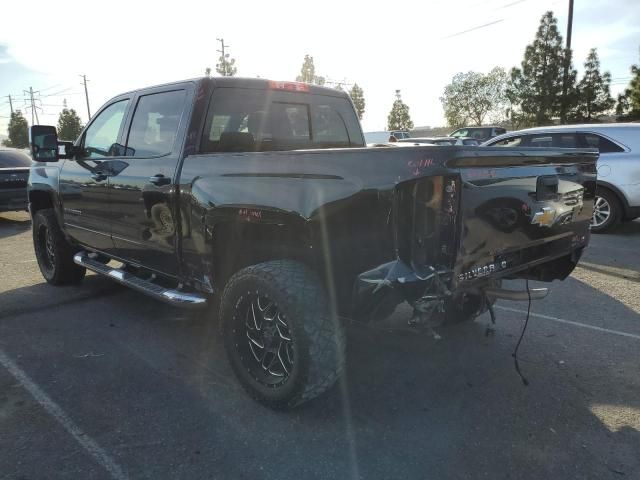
{"x":545,"y":218}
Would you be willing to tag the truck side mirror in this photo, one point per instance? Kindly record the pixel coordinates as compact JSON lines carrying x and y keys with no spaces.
{"x":43,"y":140}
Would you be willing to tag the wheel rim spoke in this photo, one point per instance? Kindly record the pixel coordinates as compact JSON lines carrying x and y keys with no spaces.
{"x":601,"y":211}
{"x":284,"y":367}
{"x":252,"y":321}
{"x":268,"y":338}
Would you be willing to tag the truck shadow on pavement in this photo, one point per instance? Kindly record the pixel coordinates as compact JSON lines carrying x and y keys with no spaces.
{"x":13,"y":224}
{"x":42,"y":296}
{"x":410,"y":406}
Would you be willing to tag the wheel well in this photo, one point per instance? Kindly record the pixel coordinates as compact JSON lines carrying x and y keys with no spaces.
{"x":618,"y":195}
{"x":39,"y":200}
{"x":239,"y":244}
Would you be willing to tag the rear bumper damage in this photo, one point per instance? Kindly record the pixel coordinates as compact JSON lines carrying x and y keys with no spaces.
{"x":377,"y":292}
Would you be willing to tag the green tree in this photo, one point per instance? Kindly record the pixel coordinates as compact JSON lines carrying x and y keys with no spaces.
{"x":472,"y":96}
{"x":18,"y":131}
{"x":308,"y":72}
{"x":594,"y":94}
{"x":357,"y":96}
{"x":628,"y":107}
{"x":535,"y":89}
{"x":225,"y":66}
{"x":399,"y":118}
{"x":69,"y":125}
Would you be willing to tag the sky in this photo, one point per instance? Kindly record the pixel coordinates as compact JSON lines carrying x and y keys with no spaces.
{"x":416,"y":47}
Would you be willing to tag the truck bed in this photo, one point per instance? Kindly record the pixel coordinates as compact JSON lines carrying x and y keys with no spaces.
{"x":476,"y":213}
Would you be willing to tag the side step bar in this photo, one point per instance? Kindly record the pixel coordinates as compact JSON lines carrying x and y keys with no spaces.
{"x":517,"y":295}
{"x":173,"y":297}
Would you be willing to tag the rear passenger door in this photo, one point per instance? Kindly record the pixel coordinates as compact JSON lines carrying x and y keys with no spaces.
{"x":145,"y":223}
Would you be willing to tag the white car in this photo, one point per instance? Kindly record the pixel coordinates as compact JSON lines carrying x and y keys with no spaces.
{"x":384,"y":136}
{"x":618,"y":189}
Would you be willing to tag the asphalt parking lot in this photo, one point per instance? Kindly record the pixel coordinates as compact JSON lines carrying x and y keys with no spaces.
{"x":97,"y":381}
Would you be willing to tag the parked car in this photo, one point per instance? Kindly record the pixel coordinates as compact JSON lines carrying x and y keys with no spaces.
{"x":482,"y":134}
{"x":618,"y":192}
{"x":429,"y":141}
{"x":470,"y":142}
{"x":261,"y":193}
{"x":384,"y":136}
{"x":14,"y":174}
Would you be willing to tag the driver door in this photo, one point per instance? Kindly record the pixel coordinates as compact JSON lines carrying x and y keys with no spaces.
{"x":84,"y":180}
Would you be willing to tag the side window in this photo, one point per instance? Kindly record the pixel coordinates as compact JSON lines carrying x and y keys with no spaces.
{"x":508,"y":142}
{"x":565,"y":140}
{"x":543,"y":140}
{"x":100,"y":139}
{"x":155,"y":124}
{"x":602,"y":144}
{"x":499,"y":131}
{"x":460,"y":133}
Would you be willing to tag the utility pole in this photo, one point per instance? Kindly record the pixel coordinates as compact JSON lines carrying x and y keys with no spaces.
{"x":224,"y":55}
{"x":567,"y":58}
{"x":86,"y":94}
{"x":34,"y":111}
{"x":10,"y":104}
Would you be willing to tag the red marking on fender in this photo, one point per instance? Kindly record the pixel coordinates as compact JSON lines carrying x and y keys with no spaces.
{"x":418,"y":166}
{"x":250,"y":214}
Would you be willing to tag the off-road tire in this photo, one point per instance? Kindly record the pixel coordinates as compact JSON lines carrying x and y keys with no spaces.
{"x":615,"y":211}
{"x":53,"y":252}
{"x":317,"y":338}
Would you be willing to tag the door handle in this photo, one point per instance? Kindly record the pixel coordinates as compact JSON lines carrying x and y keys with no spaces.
{"x":99,"y":176}
{"x":158,"y":180}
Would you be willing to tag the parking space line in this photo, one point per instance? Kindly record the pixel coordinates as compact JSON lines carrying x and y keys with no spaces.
{"x":90,"y":445}
{"x":570,"y":322}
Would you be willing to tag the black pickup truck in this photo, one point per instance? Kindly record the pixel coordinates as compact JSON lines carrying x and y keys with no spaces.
{"x":263,"y":195}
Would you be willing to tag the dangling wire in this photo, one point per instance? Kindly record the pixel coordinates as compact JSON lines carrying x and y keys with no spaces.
{"x":524,"y":329}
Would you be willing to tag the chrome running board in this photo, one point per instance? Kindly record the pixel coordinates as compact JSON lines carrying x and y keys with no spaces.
{"x":173,"y":297}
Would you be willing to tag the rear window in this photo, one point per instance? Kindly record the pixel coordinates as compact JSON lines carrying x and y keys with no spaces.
{"x":602,"y":144}
{"x":245,"y":120}
{"x":12,"y":159}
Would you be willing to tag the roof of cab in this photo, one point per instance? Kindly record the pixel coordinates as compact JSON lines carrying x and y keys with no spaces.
{"x":243,"y":82}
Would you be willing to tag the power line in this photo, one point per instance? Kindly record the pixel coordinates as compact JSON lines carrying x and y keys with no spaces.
{"x":50,"y":88}
{"x":472,"y":29}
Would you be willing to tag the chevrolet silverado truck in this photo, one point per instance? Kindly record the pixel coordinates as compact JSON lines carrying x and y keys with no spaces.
{"x":261,"y":197}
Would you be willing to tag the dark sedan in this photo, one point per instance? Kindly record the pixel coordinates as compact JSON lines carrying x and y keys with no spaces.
{"x":14,"y":175}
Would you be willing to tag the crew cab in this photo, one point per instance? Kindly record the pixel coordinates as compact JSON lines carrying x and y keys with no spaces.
{"x":264,"y":195}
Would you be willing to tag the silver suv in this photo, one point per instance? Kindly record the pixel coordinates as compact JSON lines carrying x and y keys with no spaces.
{"x":618,"y":190}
